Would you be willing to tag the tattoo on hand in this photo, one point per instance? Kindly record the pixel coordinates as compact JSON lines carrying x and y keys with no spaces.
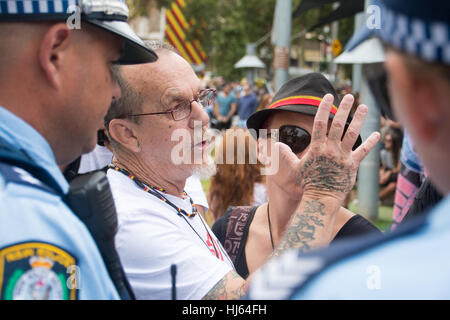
{"x":325,"y":174}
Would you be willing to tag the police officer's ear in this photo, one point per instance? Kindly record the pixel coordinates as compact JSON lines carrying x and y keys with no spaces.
{"x":53,"y":48}
{"x":123,"y":132}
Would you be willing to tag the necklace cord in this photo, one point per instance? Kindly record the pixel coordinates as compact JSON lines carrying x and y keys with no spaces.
{"x":180,"y":212}
{"x":155,"y":191}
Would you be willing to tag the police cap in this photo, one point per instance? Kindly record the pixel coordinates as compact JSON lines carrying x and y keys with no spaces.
{"x":110,"y":15}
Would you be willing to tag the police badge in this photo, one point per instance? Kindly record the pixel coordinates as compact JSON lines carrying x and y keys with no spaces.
{"x":37,"y":271}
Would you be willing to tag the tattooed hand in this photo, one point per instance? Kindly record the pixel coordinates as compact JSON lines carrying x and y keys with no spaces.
{"x":329,"y":166}
{"x":326,"y":172}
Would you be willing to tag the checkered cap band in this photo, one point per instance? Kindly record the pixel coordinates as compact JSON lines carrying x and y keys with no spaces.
{"x":36,"y":7}
{"x":429,"y":40}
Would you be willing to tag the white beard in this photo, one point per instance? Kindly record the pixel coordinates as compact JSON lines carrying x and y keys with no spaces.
{"x":207,"y":169}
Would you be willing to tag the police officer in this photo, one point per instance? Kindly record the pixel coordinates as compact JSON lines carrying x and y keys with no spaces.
{"x":414,"y":261}
{"x":57,"y":82}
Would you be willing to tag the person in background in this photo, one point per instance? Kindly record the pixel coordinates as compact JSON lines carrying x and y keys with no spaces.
{"x":225,"y":107}
{"x":388,"y":125}
{"x":237,"y":87}
{"x":264,"y":102}
{"x":247,"y":104}
{"x":409,"y":180}
{"x":390,"y":165}
{"x":236,"y":183}
{"x":425,"y":200}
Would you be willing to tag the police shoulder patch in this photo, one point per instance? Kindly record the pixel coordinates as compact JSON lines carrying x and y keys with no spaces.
{"x":37,"y":271}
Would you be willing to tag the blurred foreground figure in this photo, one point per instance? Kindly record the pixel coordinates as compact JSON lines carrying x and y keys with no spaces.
{"x":413,"y":262}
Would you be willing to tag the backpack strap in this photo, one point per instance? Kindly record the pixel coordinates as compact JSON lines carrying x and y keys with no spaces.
{"x":18,"y":167}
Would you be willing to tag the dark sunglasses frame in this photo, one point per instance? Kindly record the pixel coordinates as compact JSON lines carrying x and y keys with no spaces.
{"x":302,"y":136}
{"x":283,"y":133}
{"x":306,"y":137}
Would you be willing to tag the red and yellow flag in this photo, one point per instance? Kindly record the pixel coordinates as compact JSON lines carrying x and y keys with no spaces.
{"x":176,"y":28}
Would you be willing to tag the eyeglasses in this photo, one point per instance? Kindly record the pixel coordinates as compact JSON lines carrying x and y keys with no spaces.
{"x":181,"y":111}
{"x":297,"y":138}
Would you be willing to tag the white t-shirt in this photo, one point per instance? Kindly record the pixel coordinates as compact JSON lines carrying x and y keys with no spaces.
{"x":97,"y":159}
{"x":152,"y":236}
{"x":259,"y":194}
{"x":194,"y":189}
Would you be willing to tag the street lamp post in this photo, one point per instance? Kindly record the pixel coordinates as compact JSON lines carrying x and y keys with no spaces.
{"x":282,"y":40}
{"x":250,"y":62}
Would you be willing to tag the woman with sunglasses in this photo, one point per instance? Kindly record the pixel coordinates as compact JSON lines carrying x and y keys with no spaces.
{"x":250,"y":234}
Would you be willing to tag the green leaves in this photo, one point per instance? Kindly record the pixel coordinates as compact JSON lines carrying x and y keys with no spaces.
{"x":226,"y":26}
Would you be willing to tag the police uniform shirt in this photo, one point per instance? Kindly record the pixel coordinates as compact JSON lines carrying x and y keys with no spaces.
{"x":46,"y":252}
{"x":415,"y":266}
{"x":410,"y":263}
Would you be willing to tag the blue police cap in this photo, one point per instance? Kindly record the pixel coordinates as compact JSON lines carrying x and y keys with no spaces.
{"x":110,"y":15}
{"x":420,"y":28}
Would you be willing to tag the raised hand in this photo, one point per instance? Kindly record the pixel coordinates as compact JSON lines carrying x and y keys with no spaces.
{"x":327,"y":172}
{"x":330,"y":166}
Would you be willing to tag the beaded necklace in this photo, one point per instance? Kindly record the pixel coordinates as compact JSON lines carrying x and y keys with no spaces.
{"x":152,"y":190}
{"x":182,"y":213}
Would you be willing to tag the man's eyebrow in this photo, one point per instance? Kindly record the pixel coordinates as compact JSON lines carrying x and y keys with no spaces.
{"x":173,"y":95}
{"x":171,"y":99}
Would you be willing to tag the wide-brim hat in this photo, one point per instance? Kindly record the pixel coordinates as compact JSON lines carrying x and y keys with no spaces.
{"x":110,"y":15}
{"x":303,"y":95}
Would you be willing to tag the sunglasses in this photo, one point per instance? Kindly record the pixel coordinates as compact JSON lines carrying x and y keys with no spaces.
{"x":298,"y":139}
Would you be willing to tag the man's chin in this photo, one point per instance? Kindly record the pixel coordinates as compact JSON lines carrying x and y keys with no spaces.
{"x":205,"y":170}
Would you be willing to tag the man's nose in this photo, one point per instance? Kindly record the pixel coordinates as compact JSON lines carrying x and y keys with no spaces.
{"x":198,"y":113}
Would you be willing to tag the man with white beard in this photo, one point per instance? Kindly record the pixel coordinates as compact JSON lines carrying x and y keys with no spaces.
{"x":156,"y":131}
{"x":161,"y":111}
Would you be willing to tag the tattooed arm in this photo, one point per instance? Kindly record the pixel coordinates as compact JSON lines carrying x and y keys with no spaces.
{"x":230,"y":287}
{"x":311,"y":226}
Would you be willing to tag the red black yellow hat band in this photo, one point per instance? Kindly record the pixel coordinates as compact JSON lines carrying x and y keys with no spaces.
{"x":300,"y":100}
